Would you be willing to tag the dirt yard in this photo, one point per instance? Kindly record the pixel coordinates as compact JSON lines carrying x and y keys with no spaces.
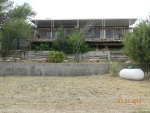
{"x":83,"y":94}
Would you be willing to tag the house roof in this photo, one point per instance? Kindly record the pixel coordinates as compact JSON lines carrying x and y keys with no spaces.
{"x":45,"y":23}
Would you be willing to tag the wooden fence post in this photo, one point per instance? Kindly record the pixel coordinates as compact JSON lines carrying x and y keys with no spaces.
{"x":108,"y":53}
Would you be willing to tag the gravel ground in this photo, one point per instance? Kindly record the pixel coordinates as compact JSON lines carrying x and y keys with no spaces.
{"x":82,"y":94}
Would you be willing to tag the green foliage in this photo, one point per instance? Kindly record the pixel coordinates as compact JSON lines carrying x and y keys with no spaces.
{"x":85,"y":48}
{"x":76,"y":40}
{"x":41,"y":47}
{"x":22,"y":11}
{"x":56,"y":57}
{"x":60,"y":44}
{"x":11,"y":36}
{"x":4,"y":53}
{"x":68,"y":43}
{"x":113,"y":68}
{"x":137,"y":44}
{"x":0,"y":36}
{"x":5,"y":6}
{"x":15,"y":26}
{"x":22,"y":28}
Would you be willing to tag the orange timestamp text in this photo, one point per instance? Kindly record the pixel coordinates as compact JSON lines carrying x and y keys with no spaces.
{"x":133,"y":101}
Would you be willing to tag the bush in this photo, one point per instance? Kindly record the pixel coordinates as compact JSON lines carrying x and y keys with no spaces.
{"x":56,"y":57}
{"x":85,"y":48}
{"x":41,"y":47}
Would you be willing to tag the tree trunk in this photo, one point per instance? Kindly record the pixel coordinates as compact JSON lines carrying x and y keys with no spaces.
{"x":18,"y":44}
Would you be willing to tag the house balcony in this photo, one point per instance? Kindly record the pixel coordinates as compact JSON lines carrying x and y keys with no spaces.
{"x":92,"y":35}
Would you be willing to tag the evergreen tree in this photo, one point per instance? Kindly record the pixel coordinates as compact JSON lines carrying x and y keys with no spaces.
{"x":137,"y":44}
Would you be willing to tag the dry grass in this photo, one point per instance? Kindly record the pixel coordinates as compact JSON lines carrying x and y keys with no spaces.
{"x":83,"y":94}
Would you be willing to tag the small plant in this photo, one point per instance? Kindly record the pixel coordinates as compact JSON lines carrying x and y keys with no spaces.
{"x":113,"y":68}
{"x":56,"y":57}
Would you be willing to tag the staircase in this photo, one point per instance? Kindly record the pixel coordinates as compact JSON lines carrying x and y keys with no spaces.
{"x":87,"y":26}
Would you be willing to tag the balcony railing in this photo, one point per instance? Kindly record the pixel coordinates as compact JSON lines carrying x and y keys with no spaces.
{"x":86,"y":39}
{"x":94,"y":34}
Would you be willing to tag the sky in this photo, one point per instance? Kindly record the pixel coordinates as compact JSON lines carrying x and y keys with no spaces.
{"x":79,"y":9}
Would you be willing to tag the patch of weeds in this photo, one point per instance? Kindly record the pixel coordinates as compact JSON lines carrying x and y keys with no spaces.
{"x":12,"y":97}
{"x":113,"y":69}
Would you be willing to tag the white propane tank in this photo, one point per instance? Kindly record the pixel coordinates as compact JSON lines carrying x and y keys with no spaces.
{"x":132,"y":74}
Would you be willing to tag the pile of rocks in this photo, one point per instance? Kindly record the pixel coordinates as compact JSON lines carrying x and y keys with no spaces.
{"x":1,"y":60}
{"x":42,"y":60}
{"x":94,"y":60}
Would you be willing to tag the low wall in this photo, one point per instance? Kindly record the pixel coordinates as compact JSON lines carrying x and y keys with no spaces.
{"x":53,"y":69}
{"x":107,"y":55}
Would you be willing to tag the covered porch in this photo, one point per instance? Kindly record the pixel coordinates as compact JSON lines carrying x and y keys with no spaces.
{"x":101,"y":30}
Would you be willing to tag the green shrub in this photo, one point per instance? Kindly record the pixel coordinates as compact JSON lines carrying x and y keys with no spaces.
{"x":41,"y":47}
{"x":68,"y":42}
{"x":56,"y":57}
{"x":85,"y":48}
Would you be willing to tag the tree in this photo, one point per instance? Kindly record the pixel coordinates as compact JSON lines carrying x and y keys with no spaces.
{"x":137,"y":44}
{"x":22,"y":12}
{"x":5,"y":6}
{"x":76,"y":39}
{"x":16,"y":27}
{"x":73,"y":43}
{"x":61,"y":43}
{"x":11,"y":36}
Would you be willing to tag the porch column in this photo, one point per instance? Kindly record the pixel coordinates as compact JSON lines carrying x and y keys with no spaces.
{"x":35,"y":26}
{"x":104,"y":33}
{"x":129,"y":25}
{"x":51,"y":30}
{"x":78,"y":23}
{"x":102,"y":30}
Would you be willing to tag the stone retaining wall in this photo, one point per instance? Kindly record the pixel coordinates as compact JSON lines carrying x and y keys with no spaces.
{"x":54,"y":69}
